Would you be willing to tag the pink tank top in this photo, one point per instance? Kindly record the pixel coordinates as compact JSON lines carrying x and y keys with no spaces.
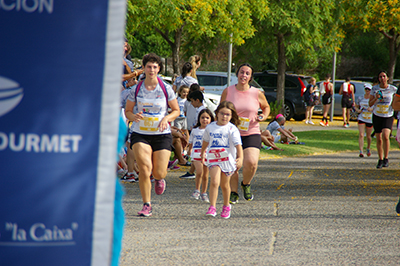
{"x":247,"y":105}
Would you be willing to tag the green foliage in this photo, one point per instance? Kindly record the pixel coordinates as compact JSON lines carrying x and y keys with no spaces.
{"x":364,"y":54}
{"x":229,"y":20}
{"x":378,"y":16}
{"x":275,"y":109}
{"x":143,"y":43}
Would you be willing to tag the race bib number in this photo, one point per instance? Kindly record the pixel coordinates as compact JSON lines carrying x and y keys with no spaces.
{"x":244,"y":123}
{"x":149,"y":124}
{"x":367,"y":115}
{"x":217,"y":155}
{"x":382,"y":108}
{"x":196,"y":155}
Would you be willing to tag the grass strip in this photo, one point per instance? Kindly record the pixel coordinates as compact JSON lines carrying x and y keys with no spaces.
{"x":324,"y":142}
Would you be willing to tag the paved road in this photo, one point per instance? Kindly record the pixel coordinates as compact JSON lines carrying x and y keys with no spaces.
{"x":333,"y":209}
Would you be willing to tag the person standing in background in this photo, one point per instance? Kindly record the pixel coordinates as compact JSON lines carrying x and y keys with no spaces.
{"x":309,"y":99}
{"x":326,"y":92}
{"x":185,"y":78}
{"x":347,"y":90}
{"x":195,"y":61}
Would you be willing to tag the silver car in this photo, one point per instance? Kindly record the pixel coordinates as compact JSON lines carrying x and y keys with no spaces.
{"x":216,"y":82}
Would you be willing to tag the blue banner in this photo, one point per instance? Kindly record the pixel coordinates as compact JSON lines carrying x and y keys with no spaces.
{"x":60,"y":75}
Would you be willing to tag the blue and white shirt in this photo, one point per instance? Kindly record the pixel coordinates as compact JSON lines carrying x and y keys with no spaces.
{"x":188,"y":80}
{"x":154,"y":107}
{"x":365,"y":115}
{"x":383,"y":107}
{"x":222,"y":142}
{"x":196,"y":139}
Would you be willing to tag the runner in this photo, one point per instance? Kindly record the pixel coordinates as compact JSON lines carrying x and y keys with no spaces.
{"x":364,"y":120}
{"x":195,"y":143}
{"x":382,"y":118}
{"x":151,"y":139}
{"x":247,"y":101}
{"x":224,"y":155}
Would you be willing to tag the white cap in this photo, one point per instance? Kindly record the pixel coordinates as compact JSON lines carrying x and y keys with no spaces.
{"x":367,"y":85}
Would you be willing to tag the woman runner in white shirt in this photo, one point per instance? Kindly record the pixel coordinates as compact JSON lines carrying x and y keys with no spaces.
{"x":151,"y":139}
{"x":224,"y":155}
{"x":381,"y":99}
{"x":364,"y":120}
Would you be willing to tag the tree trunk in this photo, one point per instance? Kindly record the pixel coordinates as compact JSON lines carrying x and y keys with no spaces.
{"x":176,"y":49}
{"x":280,"y":90}
{"x":175,"y":58}
{"x":175,"y":46}
{"x":394,"y":48}
{"x":392,"y":58}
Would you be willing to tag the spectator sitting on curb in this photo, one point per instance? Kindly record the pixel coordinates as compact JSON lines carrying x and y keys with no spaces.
{"x":278,"y":131}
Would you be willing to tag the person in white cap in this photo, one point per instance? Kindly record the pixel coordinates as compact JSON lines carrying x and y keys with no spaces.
{"x":364,"y":119}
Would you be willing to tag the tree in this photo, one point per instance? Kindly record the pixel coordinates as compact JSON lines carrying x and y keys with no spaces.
{"x":297,"y":27}
{"x":381,"y":16}
{"x":229,"y":20}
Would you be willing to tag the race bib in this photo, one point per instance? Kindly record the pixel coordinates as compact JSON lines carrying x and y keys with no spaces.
{"x":216,"y":155}
{"x":149,"y":124}
{"x":382,"y":108}
{"x":196,"y":155}
{"x":367,"y":115}
{"x":244,"y":123}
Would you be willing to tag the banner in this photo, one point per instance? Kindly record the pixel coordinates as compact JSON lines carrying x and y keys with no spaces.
{"x":60,"y":76}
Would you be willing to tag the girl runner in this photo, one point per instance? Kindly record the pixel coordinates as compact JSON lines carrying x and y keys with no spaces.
{"x":195,"y":143}
{"x":224,"y":154}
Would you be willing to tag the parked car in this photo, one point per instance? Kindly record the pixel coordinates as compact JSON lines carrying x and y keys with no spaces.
{"x":294,"y":106}
{"x":216,"y":82}
{"x":359,"y":91}
{"x":211,"y":100}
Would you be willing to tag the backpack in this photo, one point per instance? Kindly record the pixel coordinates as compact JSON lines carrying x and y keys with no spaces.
{"x":162,"y":85}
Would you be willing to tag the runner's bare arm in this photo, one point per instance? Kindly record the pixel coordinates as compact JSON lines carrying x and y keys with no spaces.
{"x":396,"y":102}
{"x":264,"y":107}
{"x":239,"y":156}
{"x":129,"y":112}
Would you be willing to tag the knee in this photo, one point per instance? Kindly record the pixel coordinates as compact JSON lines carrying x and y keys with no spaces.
{"x":214,"y":182}
{"x":144,"y":168}
{"x":159,"y":173}
{"x":251,"y":165}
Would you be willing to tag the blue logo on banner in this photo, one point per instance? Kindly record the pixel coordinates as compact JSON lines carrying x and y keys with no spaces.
{"x":10,"y":95}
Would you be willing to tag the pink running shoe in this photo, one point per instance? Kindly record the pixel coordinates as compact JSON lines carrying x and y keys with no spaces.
{"x":173,"y":163}
{"x":212,"y":211}
{"x":159,"y":186}
{"x":146,"y":211}
{"x":226,"y":212}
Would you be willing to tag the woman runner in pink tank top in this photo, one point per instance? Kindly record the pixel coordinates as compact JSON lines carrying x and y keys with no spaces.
{"x":247,"y":101}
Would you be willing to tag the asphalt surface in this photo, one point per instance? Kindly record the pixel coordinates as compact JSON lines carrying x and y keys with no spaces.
{"x":335,"y":209}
